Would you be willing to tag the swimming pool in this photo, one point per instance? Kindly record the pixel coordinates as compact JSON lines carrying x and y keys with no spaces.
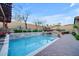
{"x":26,"y":45}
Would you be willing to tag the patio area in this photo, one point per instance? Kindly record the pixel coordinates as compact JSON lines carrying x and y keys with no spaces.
{"x":67,"y":45}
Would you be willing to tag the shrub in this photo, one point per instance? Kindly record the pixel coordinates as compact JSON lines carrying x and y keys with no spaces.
{"x":75,"y":26}
{"x":65,"y":32}
{"x":24,"y":31}
{"x":73,"y":33}
{"x":77,"y":36}
{"x":17,"y":31}
{"x":35,"y":30}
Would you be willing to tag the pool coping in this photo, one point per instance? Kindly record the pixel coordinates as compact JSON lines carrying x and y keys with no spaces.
{"x":43,"y":47}
{"x":4,"y":50}
{"x":23,"y":34}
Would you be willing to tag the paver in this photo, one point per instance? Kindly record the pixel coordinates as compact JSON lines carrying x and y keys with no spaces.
{"x":67,"y":45}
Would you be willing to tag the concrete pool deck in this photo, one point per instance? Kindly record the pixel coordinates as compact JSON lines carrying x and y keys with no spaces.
{"x":67,"y":45}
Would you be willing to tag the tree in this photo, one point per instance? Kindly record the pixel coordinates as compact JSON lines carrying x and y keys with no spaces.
{"x":19,"y":20}
{"x":25,"y":18}
{"x":58,"y":26}
{"x":21,"y":14}
{"x":38,"y":23}
{"x":16,"y":14}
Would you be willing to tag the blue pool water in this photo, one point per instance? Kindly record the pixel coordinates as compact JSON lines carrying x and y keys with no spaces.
{"x":26,"y":45}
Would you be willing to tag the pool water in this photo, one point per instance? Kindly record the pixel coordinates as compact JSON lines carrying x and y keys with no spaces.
{"x":25,"y":45}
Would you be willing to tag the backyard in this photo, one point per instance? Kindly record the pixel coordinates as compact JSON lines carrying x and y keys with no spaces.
{"x":33,"y":31}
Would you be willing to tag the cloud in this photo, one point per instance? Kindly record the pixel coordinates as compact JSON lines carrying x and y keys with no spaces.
{"x":65,"y":18}
{"x":72,"y":4}
{"x":58,"y":18}
{"x":54,"y":19}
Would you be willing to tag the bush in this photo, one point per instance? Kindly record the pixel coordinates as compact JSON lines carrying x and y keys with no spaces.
{"x":37,"y":30}
{"x":77,"y":37}
{"x":17,"y":31}
{"x":65,"y":32}
{"x":73,"y":33}
{"x":24,"y":31}
{"x":75,"y":26}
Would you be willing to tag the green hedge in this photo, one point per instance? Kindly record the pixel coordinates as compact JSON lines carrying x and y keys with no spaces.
{"x":19,"y":31}
{"x":75,"y":26}
{"x":34,"y":30}
{"x":77,"y":36}
{"x":73,"y":33}
{"x":24,"y":31}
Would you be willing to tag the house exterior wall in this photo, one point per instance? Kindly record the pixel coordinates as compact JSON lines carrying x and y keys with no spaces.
{"x":76,"y":23}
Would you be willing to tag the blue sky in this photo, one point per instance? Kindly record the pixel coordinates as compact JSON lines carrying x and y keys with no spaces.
{"x":50,"y":13}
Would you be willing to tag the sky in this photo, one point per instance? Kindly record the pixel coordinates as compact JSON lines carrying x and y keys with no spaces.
{"x":49,"y":13}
